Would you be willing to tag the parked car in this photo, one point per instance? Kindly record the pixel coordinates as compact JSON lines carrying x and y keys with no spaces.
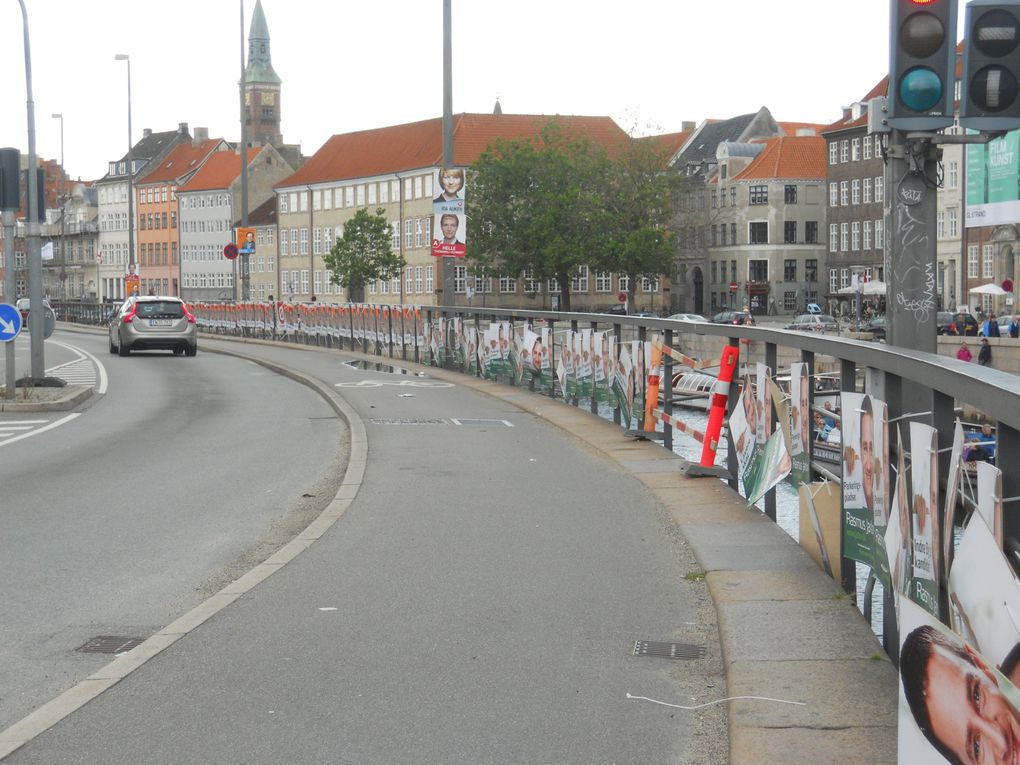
{"x":876,"y":327}
{"x":153,"y":323}
{"x":813,"y":322}
{"x":688,"y":317}
{"x":733,"y":317}
{"x":24,"y":306}
{"x":943,"y":321}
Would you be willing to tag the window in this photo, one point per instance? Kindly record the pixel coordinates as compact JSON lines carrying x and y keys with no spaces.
{"x":844,"y":237}
{"x":867,"y":148}
{"x":811,"y":232}
{"x":855,"y":192}
{"x":844,"y":150}
{"x":855,"y":149}
{"x":459,"y":277}
{"x":649,"y":286}
{"x":759,"y":195}
{"x":790,"y":194}
{"x":361,"y":194}
{"x":789,"y":270}
{"x":714,"y":273}
{"x":833,"y":237}
{"x":972,"y":260}
{"x":879,"y":195}
{"x":418,"y":271}
{"x":395,"y":235}
{"x":418,"y":232}
{"x":758,"y":270}
{"x":507,"y":285}
{"x":715,"y":238}
{"x":603,"y":281}
{"x":530,"y":285}
{"x":408,"y":233}
{"x":953,"y":175}
{"x":790,"y":232}
{"x":304,"y":243}
{"x":988,"y":260}
{"x":952,"y":223}
{"x":733,"y":196}
{"x":316,"y":243}
{"x":579,"y":281}
{"x":844,"y":277}
{"x":430,"y":278}
{"x":284,"y":242}
{"x":789,"y":301}
{"x":758,"y":233}
{"x":879,"y":235}
{"x":722,"y":272}
{"x":722,"y":234}
{"x":834,"y":152}
{"x":855,"y":236}
{"x":940,"y":224}
{"x":866,"y":197}
{"x":878,"y":146}
{"x":304,"y":280}
{"x":844,"y":193}
{"x":866,"y":242}
{"x":811,"y":270}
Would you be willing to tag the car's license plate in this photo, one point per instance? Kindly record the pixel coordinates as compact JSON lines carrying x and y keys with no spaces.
{"x":161,"y":322}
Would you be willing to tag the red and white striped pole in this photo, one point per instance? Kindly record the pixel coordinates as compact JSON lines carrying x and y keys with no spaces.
{"x":720,"y":398}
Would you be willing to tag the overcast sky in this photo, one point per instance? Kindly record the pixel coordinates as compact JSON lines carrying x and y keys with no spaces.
{"x":345,"y":65}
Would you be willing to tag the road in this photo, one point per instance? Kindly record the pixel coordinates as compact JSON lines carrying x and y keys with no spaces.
{"x":478,"y":602}
{"x":116,"y":521}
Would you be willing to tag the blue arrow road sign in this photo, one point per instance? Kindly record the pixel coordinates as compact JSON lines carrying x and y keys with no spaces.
{"x":10,"y":322}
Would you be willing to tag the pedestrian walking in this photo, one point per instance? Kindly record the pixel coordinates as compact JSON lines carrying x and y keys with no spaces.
{"x":991,"y":326}
{"x":985,"y":354}
{"x":964,"y":354}
{"x":1014,"y":327}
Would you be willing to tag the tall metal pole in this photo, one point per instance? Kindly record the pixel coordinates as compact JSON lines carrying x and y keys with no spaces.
{"x":245,"y":263}
{"x":9,"y":297}
{"x":447,"y":298}
{"x":63,"y":211}
{"x":37,"y":317}
{"x":130,"y":177}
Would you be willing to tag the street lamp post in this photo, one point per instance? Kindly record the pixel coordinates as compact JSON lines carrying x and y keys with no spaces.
{"x":63,"y":211}
{"x":130,"y":173}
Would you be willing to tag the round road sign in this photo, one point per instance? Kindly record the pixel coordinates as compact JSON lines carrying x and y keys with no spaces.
{"x":230,"y":251}
{"x":733,"y":286}
{"x":621,"y":297}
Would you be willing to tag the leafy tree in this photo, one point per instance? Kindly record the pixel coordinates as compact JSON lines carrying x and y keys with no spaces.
{"x":639,"y":195}
{"x":538,"y":205}
{"x":363,"y":254}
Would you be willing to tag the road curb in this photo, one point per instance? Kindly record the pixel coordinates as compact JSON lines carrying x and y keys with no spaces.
{"x":75,"y":396}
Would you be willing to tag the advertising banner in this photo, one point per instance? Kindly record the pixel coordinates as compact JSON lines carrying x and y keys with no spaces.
{"x":449,"y":218}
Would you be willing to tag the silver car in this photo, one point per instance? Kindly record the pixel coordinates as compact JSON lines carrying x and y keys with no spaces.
{"x":153,"y":323}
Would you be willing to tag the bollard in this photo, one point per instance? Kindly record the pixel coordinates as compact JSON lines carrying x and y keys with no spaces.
{"x":652,"y":394}
{"x":720,"y":397}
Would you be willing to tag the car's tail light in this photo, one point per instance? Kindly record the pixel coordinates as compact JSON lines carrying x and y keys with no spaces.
{"x":190,"y":316}
{"x":130,"y":316}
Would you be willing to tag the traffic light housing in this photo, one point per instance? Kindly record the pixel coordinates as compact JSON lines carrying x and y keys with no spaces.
{"x":990,"y":93}
{"x":922,"y":64}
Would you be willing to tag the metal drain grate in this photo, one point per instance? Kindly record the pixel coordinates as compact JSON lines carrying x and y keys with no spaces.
{"x":110,"y":644}
{"x":668,"y":650}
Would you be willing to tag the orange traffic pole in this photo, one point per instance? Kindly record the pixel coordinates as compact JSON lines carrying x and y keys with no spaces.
{"x":652,"y":394}
{"x":720,"y":398}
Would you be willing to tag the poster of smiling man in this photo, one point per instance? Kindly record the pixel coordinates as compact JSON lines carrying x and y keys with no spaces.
{"x":623,"y":386}
{"x":954,"y":705}
{"x":924,"y":505}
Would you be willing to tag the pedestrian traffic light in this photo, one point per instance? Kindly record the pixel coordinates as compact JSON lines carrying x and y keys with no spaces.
{"x":990,"y":94}
{"x":922,"y":64}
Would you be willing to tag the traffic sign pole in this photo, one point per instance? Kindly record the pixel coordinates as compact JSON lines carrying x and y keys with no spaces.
{"x":9,"y":286}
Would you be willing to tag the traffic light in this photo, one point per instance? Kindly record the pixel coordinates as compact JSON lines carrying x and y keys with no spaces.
{"x":990,"y":96}
{"x":922,"y":64}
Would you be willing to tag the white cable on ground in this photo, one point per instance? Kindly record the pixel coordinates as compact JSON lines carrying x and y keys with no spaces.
{"x":718,"y":701}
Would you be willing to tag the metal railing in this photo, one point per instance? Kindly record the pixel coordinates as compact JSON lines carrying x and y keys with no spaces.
{"x":915,"y":385}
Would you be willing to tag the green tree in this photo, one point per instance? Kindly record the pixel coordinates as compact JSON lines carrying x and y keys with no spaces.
{"x":363,"y":254}
{"x":639,"y":194}
{"x":538,"y":205}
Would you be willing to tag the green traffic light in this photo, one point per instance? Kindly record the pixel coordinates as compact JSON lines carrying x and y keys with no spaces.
{"x":920,"y":89}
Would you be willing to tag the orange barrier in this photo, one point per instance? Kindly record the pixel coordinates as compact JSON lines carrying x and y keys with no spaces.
{"x":652,"y":394}
{"x":720,"y":398}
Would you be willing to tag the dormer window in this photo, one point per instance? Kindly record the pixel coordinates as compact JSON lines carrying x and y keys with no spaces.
{"x":722,"y":171}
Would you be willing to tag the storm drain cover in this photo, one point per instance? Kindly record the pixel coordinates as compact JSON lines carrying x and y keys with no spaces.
{"x":409,"y":421}
{"x":470,"y":422}
{"x":668,"y":650}
{"x":110,"y":644}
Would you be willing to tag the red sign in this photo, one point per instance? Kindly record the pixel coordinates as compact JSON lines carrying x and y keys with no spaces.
{"x":621,"y":297}
{"x":734,"y":286}
{"x":1007,"y":284}
{"x":230,"y":251}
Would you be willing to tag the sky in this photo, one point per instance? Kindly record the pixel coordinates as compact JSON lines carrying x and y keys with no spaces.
{"x":347,"y":66}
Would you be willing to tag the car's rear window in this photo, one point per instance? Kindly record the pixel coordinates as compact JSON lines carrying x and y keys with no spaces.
{"x":160,"y":309}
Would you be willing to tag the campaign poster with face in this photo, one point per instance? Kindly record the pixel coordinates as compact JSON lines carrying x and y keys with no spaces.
{"x":624,"y":386}
{"x":924,"y":515}
{"x":800,"y":423}
{"x":984,"y":598}
{"x":599,"y":349}
{"x":586,"y":371}
{"x":565,"y":369}
{"x":545,"y":379}
{"x":639,"y":352}
{"x":898,"y":539}
{"x":742,"y":429}
{"x":880,"y":468}
{"x":763,"y":419}
{"x":954,"y":705}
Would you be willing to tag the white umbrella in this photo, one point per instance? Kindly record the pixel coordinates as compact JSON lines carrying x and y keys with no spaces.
{"x":988,"y":289}
{"x":874,"y":288}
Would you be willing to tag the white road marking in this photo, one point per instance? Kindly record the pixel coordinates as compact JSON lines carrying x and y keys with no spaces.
{"x":37,"y":431}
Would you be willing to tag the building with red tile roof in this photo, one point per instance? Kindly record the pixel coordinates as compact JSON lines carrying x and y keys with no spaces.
{"x":395,"y":168}
{"x":156,"y":211}
{"x":210,"y":206}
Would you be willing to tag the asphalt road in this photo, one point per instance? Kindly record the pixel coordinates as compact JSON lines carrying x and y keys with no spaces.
{"x":117,"y":521}
{"x":477,"y":603}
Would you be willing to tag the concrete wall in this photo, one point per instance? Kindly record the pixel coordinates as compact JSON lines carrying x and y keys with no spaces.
{"x":1005,"y":351}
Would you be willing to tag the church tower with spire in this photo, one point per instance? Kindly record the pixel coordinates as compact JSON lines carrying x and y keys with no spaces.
{"x":261,"y":86}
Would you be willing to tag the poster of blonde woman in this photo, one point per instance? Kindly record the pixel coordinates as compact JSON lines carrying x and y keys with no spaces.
{"x":924,"y":506}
